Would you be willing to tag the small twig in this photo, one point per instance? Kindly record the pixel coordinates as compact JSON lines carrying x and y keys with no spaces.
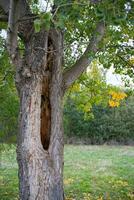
{"x":46,"y":6}
{"x":125,"y":61}
{"x":68,"y":4}
{"x":28,"y":18}
{"x":121,"y":46}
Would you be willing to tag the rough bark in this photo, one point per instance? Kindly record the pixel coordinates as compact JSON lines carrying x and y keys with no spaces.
{"x":36,"y":171}
{"x":39,"y":83}
{"x":40,"y":141}
{"x":56,"y":95}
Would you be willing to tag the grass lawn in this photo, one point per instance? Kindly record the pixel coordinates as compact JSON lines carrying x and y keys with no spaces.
{"x":90,"y":173}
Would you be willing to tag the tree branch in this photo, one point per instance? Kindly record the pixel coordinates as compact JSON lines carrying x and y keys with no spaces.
{"x":13,"y":28}
{"x":24,"y":20}
{"x":55,"y":10}
{"x":125,"y":61}
{"x":83,"y":62}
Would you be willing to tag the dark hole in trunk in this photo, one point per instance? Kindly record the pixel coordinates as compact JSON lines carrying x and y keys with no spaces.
{"x":45,"y":122}
{"x":45,"y":101}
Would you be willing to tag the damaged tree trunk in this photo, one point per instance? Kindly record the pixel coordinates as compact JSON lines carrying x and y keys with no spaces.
{"x":40,"y":141}
{"x":41,"y":84}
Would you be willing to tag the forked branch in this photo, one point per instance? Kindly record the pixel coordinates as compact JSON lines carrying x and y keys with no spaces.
{"x":15,"y":13}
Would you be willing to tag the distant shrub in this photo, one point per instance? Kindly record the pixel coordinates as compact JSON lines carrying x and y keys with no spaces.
{"x":108,"y":126}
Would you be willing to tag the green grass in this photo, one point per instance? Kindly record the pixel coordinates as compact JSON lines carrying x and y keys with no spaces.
{"x":90,"y":173}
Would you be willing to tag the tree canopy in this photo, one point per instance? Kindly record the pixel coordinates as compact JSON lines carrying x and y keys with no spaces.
{"x":77,"y":20}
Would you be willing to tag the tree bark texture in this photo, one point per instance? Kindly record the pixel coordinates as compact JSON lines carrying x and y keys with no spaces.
{"x":40,"y":139}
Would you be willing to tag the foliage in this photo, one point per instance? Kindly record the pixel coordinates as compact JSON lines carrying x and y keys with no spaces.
{"x":85,"y":109}
{"x":8,"y":99}
{"x":91,"y":89}
{"x":91,"y":173}
{"x":116,"y":97}
{"x":109,"y":125}
{"x":78,"y":19}
{"x":74,"y":123}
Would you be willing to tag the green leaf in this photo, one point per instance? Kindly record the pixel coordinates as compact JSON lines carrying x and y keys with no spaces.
{"x":37,"y":25}
{"x":46,"y":16}
{"x":46,"y":20}
{"x":60,"y":24}
{"x":3,"y":25}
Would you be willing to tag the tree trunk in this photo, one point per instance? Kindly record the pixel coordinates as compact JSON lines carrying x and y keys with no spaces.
{"x":40,"y":140}
{"x":39,"y":81}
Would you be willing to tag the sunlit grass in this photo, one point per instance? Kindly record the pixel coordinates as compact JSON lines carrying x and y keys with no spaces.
{"x":8,"y":173}
{"x":99,"y":172}
{"x":90,"y":173}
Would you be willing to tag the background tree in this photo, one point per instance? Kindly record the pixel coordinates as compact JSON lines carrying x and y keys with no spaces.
{"x":90,"y":89}
{"x":44,"y":73}
{"x":8,"y":98}
{"x":105,"y":124}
